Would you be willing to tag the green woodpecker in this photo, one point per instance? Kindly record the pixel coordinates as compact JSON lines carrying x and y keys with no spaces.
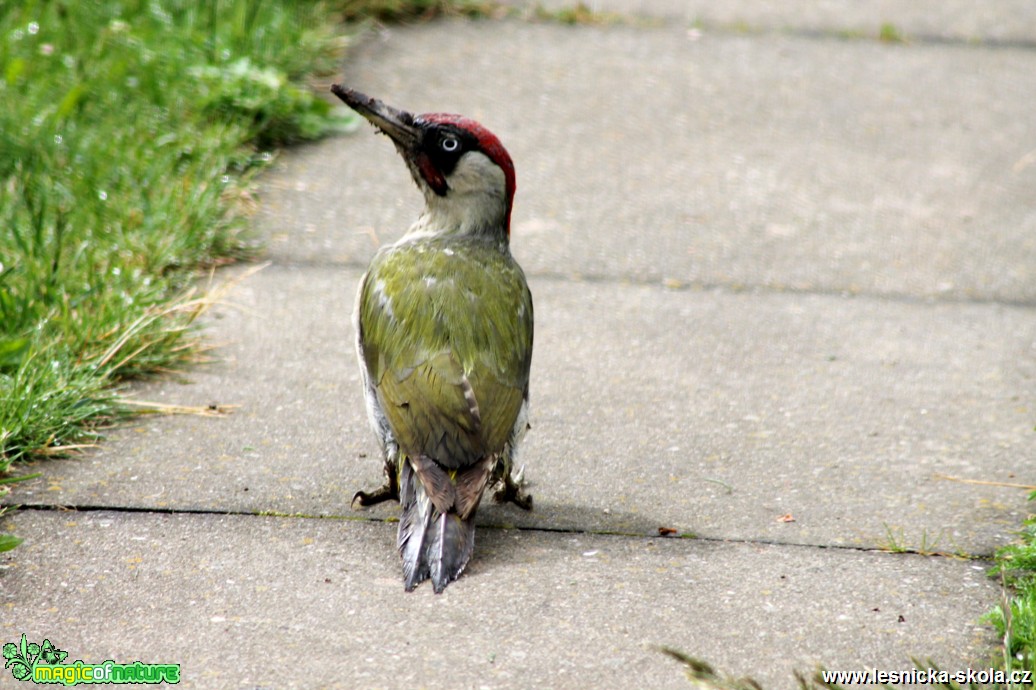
{"x":444,"y":337}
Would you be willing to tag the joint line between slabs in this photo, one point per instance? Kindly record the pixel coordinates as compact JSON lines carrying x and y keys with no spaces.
{"x":89,"y":508}
{"x":696,"y":286}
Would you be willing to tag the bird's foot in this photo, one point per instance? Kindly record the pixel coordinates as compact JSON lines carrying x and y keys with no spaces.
{"x":389,"y":492}
{"x":514,"y":491}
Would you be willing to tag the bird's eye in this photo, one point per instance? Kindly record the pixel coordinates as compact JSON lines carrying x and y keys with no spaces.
{"x":449,"y":144}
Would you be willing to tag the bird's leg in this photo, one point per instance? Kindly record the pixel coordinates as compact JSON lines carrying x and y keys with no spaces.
{"x":389,"y":492}
{"x":513,"y":491}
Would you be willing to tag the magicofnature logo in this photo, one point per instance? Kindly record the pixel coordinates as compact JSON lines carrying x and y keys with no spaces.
{"x":41,"y":663}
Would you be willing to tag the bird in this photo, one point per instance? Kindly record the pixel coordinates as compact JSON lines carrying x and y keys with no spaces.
{"x":444,"y":334}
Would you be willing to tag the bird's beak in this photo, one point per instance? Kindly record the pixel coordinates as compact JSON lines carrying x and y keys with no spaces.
{"x":398,"y":125}
{"x":404,"y":132}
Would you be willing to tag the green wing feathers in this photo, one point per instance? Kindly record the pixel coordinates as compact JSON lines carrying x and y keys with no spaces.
{"x":447,"y":339}
{"x":446,"y":336}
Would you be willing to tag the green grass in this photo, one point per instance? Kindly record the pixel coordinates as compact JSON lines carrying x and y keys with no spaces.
{"x":1015,"y":617}
{"x":890,"y":33}
{"x":397,"y":10}
{"x":580,"y":13}
{"x":129,"y":132}
{"x":896,"y":542}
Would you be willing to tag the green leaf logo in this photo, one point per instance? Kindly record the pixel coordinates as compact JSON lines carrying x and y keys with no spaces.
{"x":42,"y":663}
{"x":19,"y":658}
{"x":20,"y":671}
{"x":50,"y":654}
{"x":10,"y":651}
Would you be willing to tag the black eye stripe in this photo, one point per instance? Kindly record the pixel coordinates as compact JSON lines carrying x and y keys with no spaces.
{"x":449,"y":140}
{"x":445,"y":145}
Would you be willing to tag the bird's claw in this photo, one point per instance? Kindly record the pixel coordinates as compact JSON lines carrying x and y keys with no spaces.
{"x":513,"y":491}
{"x":389,"y":492}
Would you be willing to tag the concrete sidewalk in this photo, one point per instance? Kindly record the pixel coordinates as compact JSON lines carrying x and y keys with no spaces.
{"x":785,"y":293}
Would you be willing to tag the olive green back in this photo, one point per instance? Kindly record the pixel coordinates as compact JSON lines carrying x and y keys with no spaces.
{"x":447,"y":328}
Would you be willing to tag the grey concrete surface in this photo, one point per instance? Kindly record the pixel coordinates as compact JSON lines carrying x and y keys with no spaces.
{"x":784,"y":299}
{"x":701,"y":394}
{"x":254,"y":602}
{"x":651,"y":155}
{"x":1003,"y":21}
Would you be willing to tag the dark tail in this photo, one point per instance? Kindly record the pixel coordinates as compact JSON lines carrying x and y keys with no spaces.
{"x":437,"y":527}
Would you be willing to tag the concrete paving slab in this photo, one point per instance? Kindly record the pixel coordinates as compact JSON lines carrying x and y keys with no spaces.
{"x":696,"y":210}
{"x":656,"y":155}
{"x":250,"y":602}
{"x":708,"y":412}
{"x":1003,"y":21}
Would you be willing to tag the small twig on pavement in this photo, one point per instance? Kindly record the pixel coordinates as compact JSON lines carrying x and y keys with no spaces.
{"x":165,"y":408}
{"x":981,"y":482}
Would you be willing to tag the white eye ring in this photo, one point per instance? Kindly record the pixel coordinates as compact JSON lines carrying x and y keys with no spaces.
{"x":449,"y":144}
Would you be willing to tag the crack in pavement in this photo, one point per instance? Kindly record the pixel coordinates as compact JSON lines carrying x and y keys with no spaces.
{"x":674,"y":284}
{"x":688,"y":536}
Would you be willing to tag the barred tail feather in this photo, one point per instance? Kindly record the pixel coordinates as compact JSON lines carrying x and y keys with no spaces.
{"x":413,"y":527}
{"x":450,"y":548}
{"x":433,"y":544}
